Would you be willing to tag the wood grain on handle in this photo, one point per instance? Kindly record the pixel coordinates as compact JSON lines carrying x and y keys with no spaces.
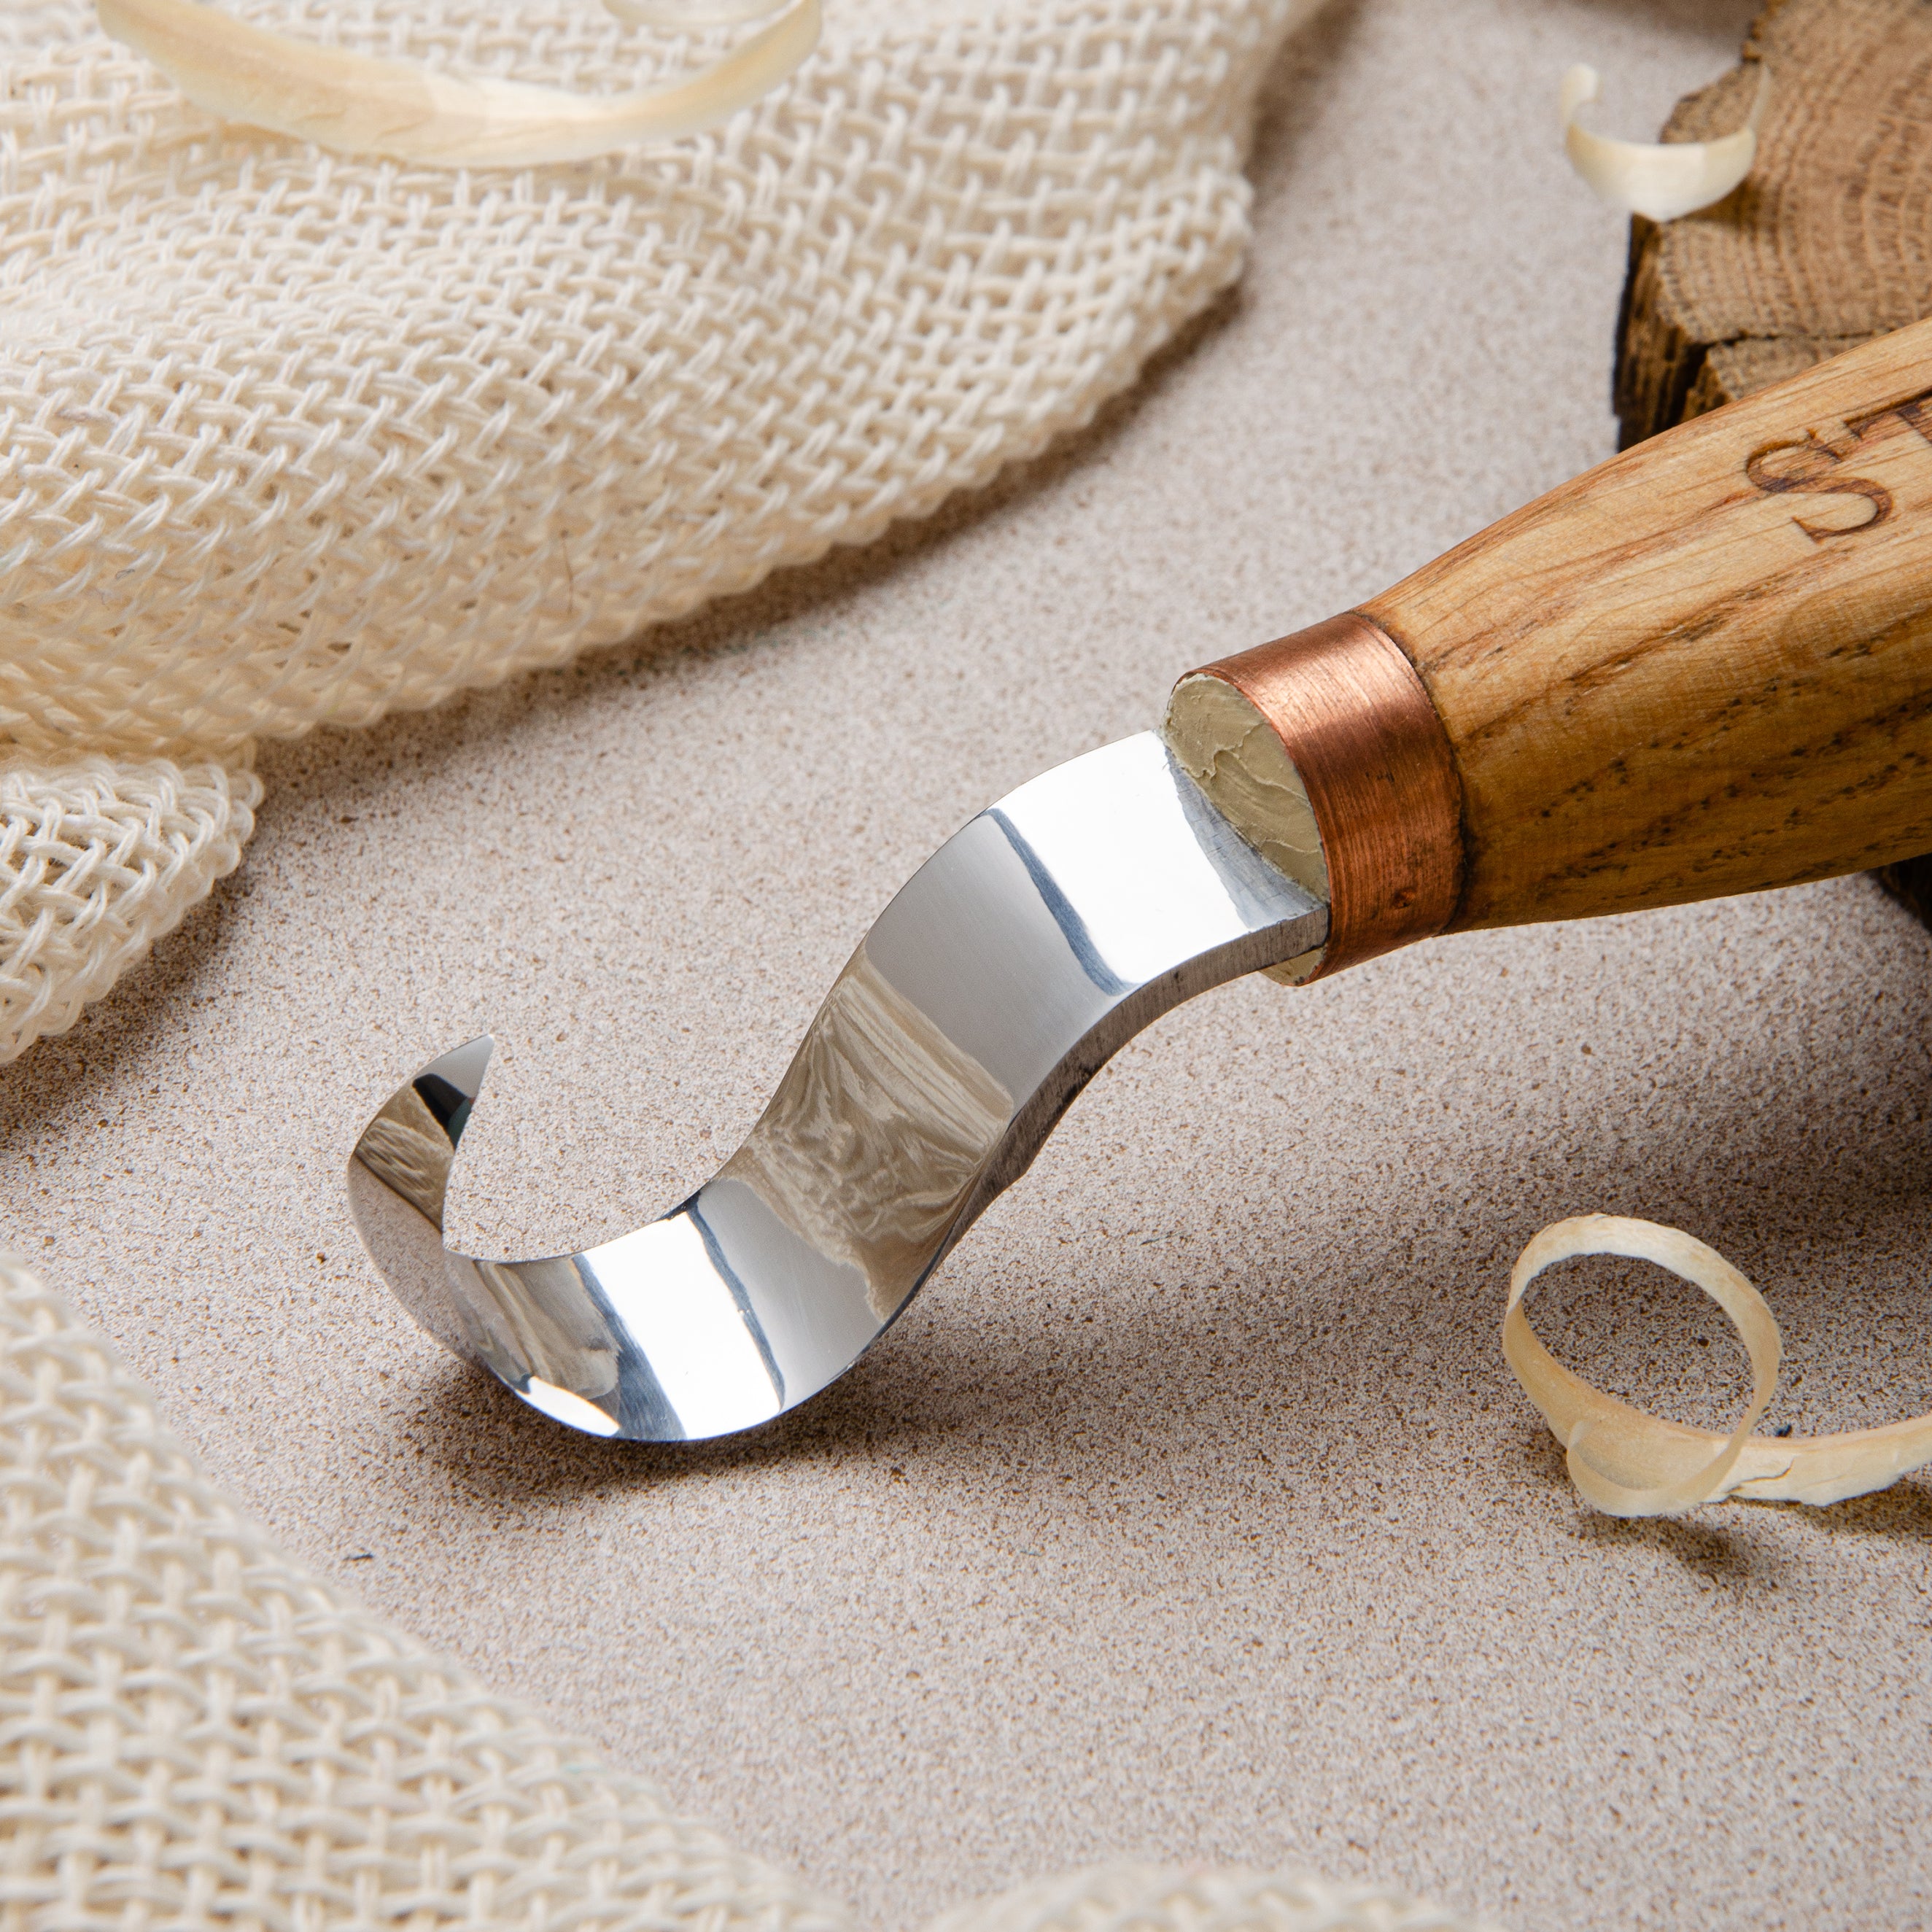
{"x":1705,"y":666}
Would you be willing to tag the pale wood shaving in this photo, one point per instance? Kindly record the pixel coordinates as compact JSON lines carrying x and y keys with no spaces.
{"x":352,"y":104}
{"x":1660,"y":179}
{"x":1629,"y":1462}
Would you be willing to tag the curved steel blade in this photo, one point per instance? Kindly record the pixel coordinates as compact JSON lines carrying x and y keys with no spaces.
{"x":1026,"y":951}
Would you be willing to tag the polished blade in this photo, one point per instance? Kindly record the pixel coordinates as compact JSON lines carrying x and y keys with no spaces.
{"x":1011,"y":966}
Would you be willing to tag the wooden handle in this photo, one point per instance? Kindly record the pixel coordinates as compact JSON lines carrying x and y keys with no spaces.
{"x":1705,"y":666}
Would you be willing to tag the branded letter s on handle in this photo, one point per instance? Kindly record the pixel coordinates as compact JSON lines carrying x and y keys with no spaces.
{"x":1817,"y":481}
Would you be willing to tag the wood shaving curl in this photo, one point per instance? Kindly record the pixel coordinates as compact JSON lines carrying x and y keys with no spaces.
{"x":354,"y":103}
{"x":1628,"y":1462}
{"x":1660,"y":179}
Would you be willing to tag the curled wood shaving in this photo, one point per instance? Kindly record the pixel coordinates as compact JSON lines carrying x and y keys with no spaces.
{"x":360,"y":104}
{"x":1660,"y":179}
{"x":690,"y":16}
{"x":1628,"y":1462}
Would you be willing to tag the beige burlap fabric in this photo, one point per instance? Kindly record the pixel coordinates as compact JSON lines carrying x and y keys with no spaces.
{"x":295,"y":440}
{"x":195,"y":1733}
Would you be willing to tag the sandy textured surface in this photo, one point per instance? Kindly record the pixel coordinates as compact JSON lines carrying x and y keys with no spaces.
{"x":1192,"y":1512}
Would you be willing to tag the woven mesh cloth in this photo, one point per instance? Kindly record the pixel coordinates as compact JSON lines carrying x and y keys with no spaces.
{"x":292,"y":440}
{"x":195,"y":1733}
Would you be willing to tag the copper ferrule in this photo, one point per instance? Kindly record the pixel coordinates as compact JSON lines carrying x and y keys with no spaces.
{"x":1366,"y":739}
